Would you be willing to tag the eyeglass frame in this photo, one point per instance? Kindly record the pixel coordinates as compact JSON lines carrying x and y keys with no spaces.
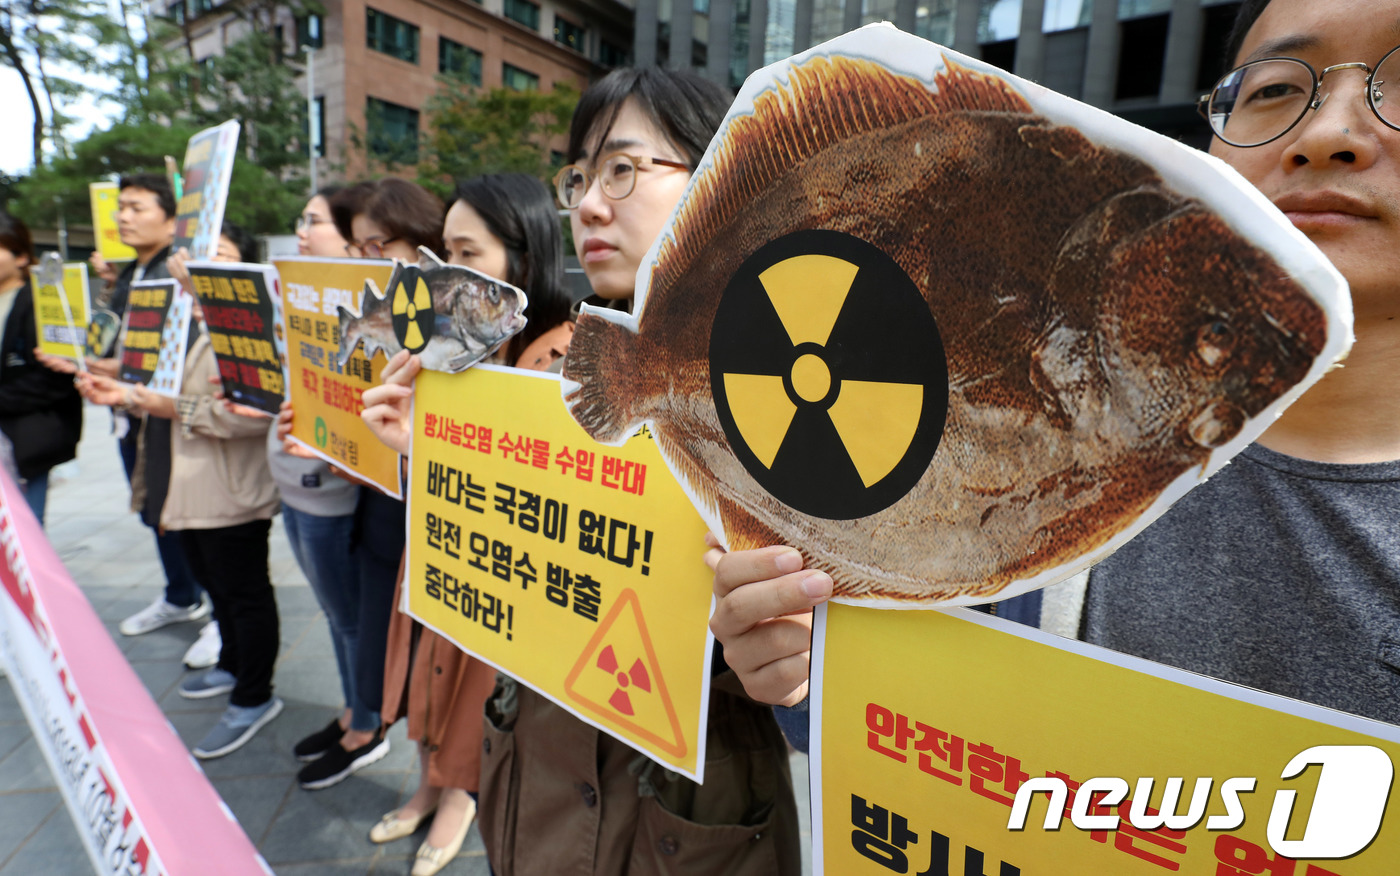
{"x":1314,"y":102}
{"x":308,"y":222}
{"x":638,"y":161}
{"x":364,"y":248}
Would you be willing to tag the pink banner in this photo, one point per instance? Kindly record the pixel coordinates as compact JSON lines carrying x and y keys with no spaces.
{"x":138,"y":800}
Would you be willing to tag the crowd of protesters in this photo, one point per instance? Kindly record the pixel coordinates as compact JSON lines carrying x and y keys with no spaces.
{"x":552,"y":793}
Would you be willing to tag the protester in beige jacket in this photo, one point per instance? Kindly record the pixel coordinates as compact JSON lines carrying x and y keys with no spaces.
{"x":208,"y":480}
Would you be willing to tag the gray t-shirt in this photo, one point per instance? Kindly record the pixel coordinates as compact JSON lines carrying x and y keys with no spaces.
{"x":1278,"y":573}
{"x":307,"y":484}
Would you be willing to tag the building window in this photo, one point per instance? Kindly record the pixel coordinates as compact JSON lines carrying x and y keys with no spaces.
{"x":393,"y":131}
{"x":458,"y":60}
{"x":610,"y":55}
{"x":309,"y":32}
{"x":519,"y":80}
{"x":524,"y":12}
{"x":318,"y":126}
{"x":568,"y":33}
{"x":392,"y":36}
{"x":176,"y":11}
{"x":1142,"y":53}
{"x":199,"y":7}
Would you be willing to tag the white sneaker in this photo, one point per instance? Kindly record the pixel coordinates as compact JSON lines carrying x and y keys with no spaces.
{"x":204,"y":653}
{"x":162,"y":614}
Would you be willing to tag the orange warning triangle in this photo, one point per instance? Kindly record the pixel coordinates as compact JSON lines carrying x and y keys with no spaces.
{"x":618,"y":678}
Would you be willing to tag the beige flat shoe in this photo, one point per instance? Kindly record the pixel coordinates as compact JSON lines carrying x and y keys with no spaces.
{"x":430,"y":860}
{"x":392,"y":827}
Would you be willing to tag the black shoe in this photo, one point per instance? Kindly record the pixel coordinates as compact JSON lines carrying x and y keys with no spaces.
{"x":337,"y":764}
{"x":318,"y":743}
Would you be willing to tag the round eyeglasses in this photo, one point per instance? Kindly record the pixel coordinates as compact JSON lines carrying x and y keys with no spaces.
{"x":617,"y":172}
{"x":1258,"y":102}
{"x":370,"y":249}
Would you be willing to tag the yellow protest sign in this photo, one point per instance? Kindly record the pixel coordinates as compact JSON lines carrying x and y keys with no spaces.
{"x":326,"y":397}
{"x":926,"y":725}
{"x":572,"y":566}
{"x":103,"y":196}
{"x":63,"y":331}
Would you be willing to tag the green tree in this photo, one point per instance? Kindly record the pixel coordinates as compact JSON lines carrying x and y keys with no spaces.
{"x":165,"y":99}
{"x":40,"y":40}
{"x":474,"y":131}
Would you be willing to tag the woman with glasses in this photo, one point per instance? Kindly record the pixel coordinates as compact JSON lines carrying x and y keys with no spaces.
{"x":318,"y":511}
{"x":389,"y":218}
{"x":505,"y":226}
{"x":557,"y":795}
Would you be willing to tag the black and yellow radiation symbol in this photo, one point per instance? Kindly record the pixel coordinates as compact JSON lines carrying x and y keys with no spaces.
{"x":828,"y":374}
{"x":412,"y":311}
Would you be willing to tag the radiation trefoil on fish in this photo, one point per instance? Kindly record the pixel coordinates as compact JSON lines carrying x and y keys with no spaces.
{"x":450,"y":316}
{"x":951,"y":335}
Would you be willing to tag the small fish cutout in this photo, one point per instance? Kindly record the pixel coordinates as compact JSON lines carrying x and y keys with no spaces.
{"x":450,"y":316}
{"x":949,"y":334}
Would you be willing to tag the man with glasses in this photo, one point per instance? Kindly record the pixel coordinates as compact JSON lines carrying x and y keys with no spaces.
{"x":1283,"y":571}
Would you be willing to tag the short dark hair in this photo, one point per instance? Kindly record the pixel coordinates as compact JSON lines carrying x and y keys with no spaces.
{"x":155,"y":183}
{"x":520,"y":211}
{"x":14,"y":236}
{"x":1249,"y":12}
{"x":685,"y":107}
{"x":348,"y":202}
{"x":246,"y":243}
{"x":407,"y":211}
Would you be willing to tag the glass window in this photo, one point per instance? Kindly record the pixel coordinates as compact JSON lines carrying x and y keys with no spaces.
{"x":1066,"y":14}
{"x":998,"y":20}
{"x":393,"y":131}
{"x":318,"y":126}
{"x":1128,"y":9}
{"x":524,"y":12}
{"x":610,"y":55}
{"x":933,"y":20}
{"x":199,"y":7}
{"x":309,"y":31}
{"x":458,"y":60}
{"x":392,"y":36}
{"x":777,"y":39}
{"x":176,"y":11}
{"x":568,"y":33}
{"x":517,"y":79}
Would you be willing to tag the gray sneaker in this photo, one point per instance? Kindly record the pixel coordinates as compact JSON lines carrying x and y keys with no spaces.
{"x":235,"y":728}
{"x":203,"y":685}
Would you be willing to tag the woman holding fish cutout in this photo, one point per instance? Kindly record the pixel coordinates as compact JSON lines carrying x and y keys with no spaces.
{"x":557,"y":795}
{"x":504,"y":226}
{"x":318,"y":512}
{"x":390,"y":218}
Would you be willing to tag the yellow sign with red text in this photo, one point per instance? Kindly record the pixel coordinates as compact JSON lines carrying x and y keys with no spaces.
{"x":932,"y":729}
{"x":326,"y":398}
{"x":574,"y":567}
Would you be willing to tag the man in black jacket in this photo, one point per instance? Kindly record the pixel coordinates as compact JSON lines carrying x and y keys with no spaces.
{"x":146,"y":223}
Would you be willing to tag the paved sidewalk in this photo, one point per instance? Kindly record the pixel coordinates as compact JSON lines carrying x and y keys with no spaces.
{"x":112,"y":557}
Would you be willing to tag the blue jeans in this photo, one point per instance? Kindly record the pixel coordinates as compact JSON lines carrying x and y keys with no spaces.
{"x":321,"y":546}
{"x":181,"y":588}
{"x":36,"y":493}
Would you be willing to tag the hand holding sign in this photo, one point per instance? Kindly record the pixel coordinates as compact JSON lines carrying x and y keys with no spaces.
{"x":763,"y":618}
{"x":389,"y":406}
